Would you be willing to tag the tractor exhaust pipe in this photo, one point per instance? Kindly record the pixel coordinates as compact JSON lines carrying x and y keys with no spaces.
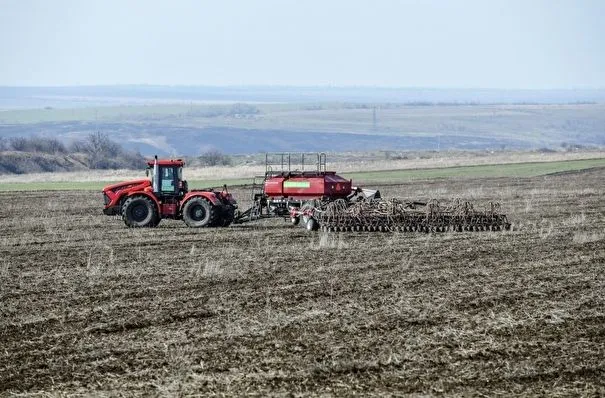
{"x":156,"y":176}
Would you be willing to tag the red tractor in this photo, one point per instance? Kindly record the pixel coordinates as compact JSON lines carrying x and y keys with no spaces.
{"x":144,"y":203}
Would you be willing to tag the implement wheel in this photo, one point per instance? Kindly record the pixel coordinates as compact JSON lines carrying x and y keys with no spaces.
{"x":199,"y":213}
{"x":140,"y":212}
{"x":312,"y":224}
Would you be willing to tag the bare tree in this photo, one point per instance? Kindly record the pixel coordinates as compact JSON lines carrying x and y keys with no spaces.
{"x":215,"y":157}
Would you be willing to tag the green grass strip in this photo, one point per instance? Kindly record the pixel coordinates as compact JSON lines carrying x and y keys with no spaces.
{"x":530,"y":169}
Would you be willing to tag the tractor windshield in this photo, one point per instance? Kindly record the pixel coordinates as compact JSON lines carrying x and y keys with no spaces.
{"x":168,"y":175}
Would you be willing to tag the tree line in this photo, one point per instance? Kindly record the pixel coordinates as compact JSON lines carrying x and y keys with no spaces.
{"x":96,"y":151}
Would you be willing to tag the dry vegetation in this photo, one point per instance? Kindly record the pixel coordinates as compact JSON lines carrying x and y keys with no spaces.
{"x":22,"y":155}
{"x":90,"y":307}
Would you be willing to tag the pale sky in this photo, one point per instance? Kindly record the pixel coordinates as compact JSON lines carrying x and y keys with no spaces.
{"x":510,"y":44}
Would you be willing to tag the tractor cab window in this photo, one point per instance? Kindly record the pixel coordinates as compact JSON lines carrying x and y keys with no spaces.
{"x":168,"y":179}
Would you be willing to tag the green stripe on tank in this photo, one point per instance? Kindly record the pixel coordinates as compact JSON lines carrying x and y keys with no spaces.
{"x":297,"y":184}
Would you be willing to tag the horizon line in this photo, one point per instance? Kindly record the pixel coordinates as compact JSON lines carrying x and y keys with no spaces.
{"x":281,"y":86}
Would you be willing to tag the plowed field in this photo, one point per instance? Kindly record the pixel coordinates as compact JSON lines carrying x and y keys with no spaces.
{"x":88,"y":306}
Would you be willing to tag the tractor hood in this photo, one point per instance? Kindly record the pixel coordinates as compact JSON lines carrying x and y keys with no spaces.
{"x":120,"y":186}
{"x":113,"y":194}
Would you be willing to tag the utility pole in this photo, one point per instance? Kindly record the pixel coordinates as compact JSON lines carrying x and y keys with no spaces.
{"x":374,"y":118}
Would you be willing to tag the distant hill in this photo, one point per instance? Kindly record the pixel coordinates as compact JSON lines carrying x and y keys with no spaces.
{"x":187,"y":121}
{"x":191,"y":141}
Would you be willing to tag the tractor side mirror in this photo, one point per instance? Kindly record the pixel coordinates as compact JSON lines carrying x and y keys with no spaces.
{"x":147,"y":172}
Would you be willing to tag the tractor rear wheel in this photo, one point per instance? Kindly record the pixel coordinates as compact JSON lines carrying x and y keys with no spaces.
{"x":140,"y":212}
{"x":199,"y":213}
{"x":227,"y":217}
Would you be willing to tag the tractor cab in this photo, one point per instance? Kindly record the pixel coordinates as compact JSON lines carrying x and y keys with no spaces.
{"x":167,"y":177}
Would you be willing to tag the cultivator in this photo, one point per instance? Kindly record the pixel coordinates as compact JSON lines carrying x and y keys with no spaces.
{"x":396,"y":215}
{"x":320,"y":199}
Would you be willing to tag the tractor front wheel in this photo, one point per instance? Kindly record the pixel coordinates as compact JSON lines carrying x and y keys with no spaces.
{"x":140,"y":212}
{"x":199,"y":213}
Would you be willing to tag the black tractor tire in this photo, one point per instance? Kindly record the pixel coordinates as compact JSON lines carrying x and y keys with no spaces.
{"x":199,"y":213}
{"x":140,"y":212}
{"x":156,"y":220}
{"x":227,"y":217}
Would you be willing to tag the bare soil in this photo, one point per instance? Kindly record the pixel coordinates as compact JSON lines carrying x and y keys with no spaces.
{"x":88,"y":306}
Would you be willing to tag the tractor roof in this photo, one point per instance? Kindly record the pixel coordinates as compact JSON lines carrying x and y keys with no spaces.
{"x":167,"y":162}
